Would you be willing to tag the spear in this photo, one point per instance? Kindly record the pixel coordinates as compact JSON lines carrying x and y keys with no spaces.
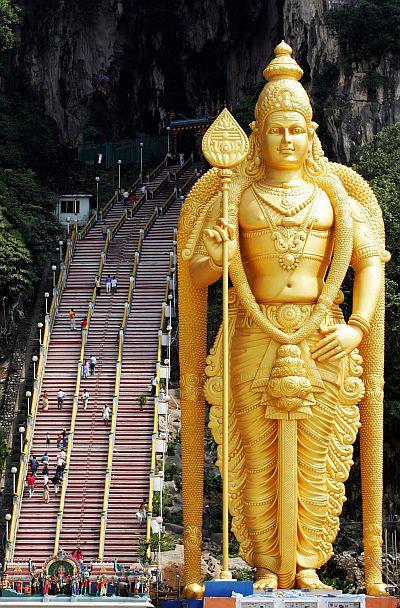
{"x":225,"y":145}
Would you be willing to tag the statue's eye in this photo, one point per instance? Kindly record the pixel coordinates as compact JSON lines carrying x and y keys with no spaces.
{"x":275,"y":130}
{"x":298,"y":130}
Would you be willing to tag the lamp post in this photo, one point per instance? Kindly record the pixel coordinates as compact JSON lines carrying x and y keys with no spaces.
{"x":68,"y":225}
{"x":28,"y":394}
{"x":21,"y":432}
{"x":8,"y":519}
{"x":54,"y":269}
{"x":34,"y":361}
{"x":46,"y":297}
{"x":61,"y":243}
{"x":141,"y":158}
{"x":14,"y":471}
{"x":119,"y":175}
{"x":97,"y":192}
{"x":40,"y":327}
{"x":168,"y":139}
{"x":4,"y":312}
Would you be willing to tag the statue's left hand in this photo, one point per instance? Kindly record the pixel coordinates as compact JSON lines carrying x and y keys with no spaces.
{"x":339,"y":341}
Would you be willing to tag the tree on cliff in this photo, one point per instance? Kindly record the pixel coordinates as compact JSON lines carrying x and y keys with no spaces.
{"x":9,"y":17}
{"x":379,"y":163}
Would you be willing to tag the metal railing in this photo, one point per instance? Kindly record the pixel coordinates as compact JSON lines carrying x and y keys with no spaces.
{"x":157,"y":169}
{"x":37,"y":387}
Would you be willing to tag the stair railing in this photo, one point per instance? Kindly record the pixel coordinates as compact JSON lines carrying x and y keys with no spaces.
{"x":89,"y":315}
{"x":157,"y":170}
{"x":155,"y":435}
{"x":182,"y":169}
{"x":37,"y":388}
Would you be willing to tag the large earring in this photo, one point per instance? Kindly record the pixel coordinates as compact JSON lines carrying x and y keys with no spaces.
{"x":254,"y":159}
{"x":315,"y":163}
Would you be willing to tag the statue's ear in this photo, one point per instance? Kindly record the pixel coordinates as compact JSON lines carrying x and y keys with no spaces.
{"x":314,"y":125}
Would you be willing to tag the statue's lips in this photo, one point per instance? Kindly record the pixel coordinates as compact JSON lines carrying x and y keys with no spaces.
{"x":286,"y":150}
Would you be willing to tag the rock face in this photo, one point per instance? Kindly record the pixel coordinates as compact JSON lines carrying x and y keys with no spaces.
{"x":144,"y":59}
{"x":122,"y":65}
{"x":351,"y":112}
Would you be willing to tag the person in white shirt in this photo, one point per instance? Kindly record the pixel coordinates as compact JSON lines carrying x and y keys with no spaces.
{"x":60,"y":399}
{"x":92,"y":364}
{"x":106,"y":414}
{"x":85,"y":399}
{"x":114,"y":283}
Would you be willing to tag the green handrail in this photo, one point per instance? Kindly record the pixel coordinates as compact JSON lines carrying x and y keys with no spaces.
{"x":37,"y":387}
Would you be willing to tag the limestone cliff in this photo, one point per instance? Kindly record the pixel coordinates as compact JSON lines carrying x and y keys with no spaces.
{"x":122,"y":65}
{"x":354,"y":99}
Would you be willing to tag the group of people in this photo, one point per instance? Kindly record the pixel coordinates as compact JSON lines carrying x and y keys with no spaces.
{"x":34,"y":466}
{"x":169,"y":159}
{"x":72,"y":321}
{"x":89,"y":367}
{"x":129,"y":197}
{"x":111,"y":284}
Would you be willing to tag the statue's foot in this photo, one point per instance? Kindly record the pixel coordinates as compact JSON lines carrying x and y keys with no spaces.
{"x":377,"y":589}
{"x":309,"y":579}
{"x":194,"y":591}
{"x":265,"y":579}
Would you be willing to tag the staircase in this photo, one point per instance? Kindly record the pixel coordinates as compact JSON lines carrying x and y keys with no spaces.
{"x":87,"y":468}
{"x":132,"y":452}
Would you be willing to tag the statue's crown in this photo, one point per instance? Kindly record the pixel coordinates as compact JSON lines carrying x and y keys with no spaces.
{"x":282,"y":91}
{"x":283,"y":65}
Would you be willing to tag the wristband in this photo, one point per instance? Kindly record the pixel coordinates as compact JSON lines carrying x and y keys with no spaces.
{"x":214,"y":266}
{"x":360,"y":322}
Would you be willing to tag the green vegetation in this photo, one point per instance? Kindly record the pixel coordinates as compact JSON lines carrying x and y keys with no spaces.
{"x":28,"y":226}
{"x":366,"y":29}
{"x":372,"y":81}
{"x":324,"y":101}
{"x":379,"y":163}
{"x":3,"y":449}
{"x":167,"y":543}
{"x":244,"y":112}
{"x":10,"y":15}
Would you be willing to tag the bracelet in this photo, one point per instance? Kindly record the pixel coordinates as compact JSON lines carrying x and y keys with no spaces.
{"x":214,"y":266}
{"x":360,"y":322}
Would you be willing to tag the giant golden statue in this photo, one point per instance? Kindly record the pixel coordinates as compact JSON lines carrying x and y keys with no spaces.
{"x":302,"y":380}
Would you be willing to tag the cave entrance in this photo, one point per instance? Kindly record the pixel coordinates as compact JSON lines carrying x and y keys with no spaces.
{"x":187,"y":133}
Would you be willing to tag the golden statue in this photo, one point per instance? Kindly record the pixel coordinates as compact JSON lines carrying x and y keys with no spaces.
{"x":302,"y":380}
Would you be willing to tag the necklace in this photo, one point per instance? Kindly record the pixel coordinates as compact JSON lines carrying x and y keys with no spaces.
{"x":286,"y":206}
{"x":289,"y":240}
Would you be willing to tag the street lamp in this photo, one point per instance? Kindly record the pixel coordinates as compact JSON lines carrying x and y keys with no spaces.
{"x":34,"y":361}
{"x":8,"y":519}
{"x":61,"y":243}
{"x":97,"y":192}
{"x":68,"y":223}
{"x":141,"y":158}
{"x":168,"y":139}
{"x":119,"y":174}
{"x":4,"y":312}
{"x":54,"y":269}
{"x":14,"y":471}
{"x":40,"y":327}
{"x":28,"y":394}
{"x":46,"y":297}
{"x":21,"y":431}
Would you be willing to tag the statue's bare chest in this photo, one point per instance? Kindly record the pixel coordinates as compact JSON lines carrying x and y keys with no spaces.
{"x":256,"y":214}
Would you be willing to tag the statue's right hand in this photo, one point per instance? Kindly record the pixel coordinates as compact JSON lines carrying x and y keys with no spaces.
{"x":214,"y":238}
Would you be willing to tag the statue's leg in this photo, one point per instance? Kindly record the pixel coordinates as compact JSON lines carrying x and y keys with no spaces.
{"x":259,"y":440}
{"x":324,"y":459}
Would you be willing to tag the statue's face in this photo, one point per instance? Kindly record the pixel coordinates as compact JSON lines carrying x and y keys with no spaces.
{"x":284,"y":140}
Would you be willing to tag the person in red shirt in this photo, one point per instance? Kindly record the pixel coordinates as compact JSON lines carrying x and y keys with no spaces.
{"x":31,"y":481}
{"x":83,"y":324}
